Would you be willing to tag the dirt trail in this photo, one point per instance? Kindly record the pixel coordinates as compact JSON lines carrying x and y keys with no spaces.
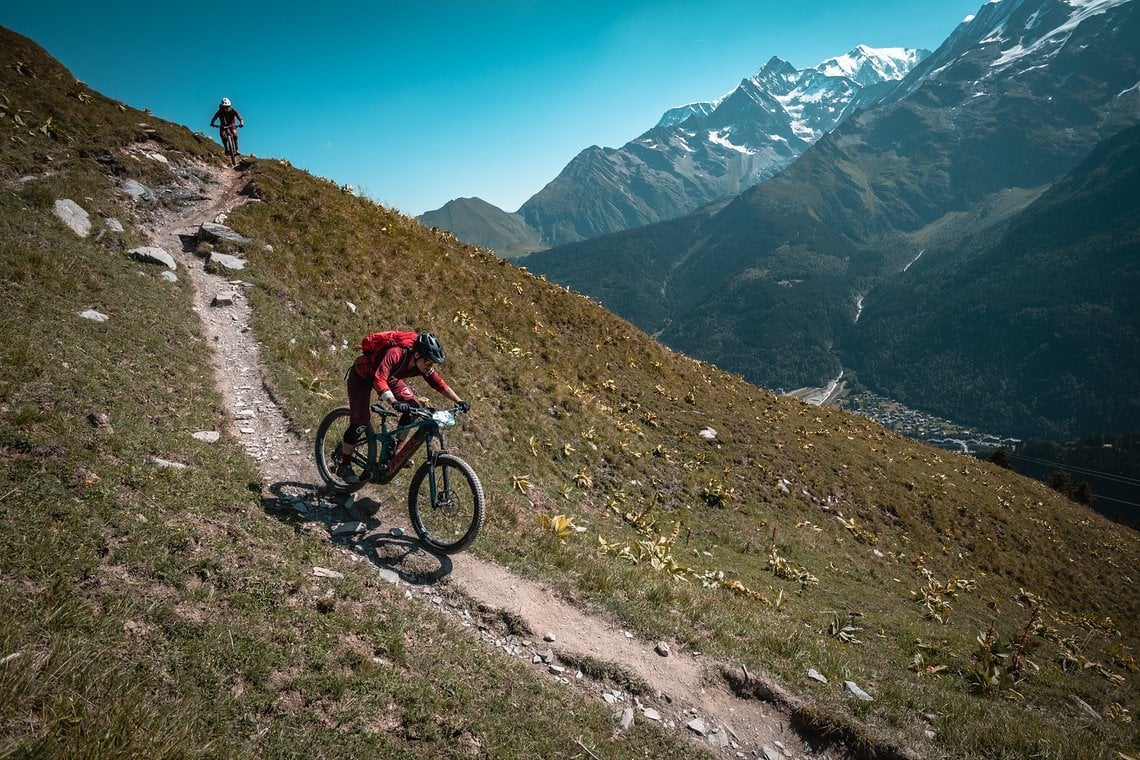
{"x":684,"y":687}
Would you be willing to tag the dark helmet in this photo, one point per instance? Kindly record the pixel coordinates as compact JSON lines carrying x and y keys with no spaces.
{"x":429,"y":347}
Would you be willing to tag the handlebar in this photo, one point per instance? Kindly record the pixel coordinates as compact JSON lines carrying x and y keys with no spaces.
{"x":423,"y":412}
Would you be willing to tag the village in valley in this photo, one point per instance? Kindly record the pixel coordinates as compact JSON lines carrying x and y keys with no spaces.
{"x":903,"y":420}
{"x":921,"y":426}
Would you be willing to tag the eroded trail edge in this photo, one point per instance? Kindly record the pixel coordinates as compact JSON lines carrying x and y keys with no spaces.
{"x":516,"y":616}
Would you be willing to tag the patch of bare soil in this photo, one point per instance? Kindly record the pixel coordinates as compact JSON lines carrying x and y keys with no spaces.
{"x":686,"y":692}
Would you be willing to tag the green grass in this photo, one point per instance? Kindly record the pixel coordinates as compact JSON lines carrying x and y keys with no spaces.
{"x":149,"y":612}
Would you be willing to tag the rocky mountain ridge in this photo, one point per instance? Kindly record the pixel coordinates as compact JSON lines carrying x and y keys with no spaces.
{"x":696,"y":154}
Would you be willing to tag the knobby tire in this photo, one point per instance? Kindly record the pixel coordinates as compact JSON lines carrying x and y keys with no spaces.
{"x":452,"y":522}
{"x":327,"y":451}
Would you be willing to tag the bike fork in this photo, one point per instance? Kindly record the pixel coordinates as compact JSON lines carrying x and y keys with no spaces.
{"x":433,"y":486}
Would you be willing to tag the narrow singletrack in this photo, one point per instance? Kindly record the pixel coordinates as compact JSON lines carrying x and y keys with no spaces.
{"x":683,"y":686}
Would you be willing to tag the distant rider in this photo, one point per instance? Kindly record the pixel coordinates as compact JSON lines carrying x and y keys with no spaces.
{"x":385,"y":371}
{"x":226,"y":115}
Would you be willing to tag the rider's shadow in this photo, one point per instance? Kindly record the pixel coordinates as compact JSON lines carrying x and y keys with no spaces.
{"x":357,"y":523}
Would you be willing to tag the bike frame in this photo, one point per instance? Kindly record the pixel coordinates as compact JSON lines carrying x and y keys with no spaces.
{"x":422,"y":431}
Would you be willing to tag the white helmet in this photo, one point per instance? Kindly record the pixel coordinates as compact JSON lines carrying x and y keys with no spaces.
{"x":226,"y":102}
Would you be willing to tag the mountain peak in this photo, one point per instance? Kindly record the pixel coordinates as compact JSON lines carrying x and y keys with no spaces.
{"x":697,"y":153}
{"x":863,"y":65}
{"x":680,"y":114}
{"x":776,"y":63}
{"x":867,"y":65}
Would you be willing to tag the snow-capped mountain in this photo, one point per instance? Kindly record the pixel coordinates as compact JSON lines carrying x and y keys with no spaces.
{"x":698,"y":153}
{"x":702,"y":152}
{"x":1004,"y":34}
{"x":813,"y":100}
{"x":871,"y":65}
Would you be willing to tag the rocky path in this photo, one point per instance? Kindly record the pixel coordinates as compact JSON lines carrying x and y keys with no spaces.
{"x":687,"y":691}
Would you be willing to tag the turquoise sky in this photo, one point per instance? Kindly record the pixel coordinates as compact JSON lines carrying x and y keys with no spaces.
{"x":425,"y":102}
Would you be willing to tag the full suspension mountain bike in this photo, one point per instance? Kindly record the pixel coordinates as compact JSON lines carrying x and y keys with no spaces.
{"x":445,"y":498}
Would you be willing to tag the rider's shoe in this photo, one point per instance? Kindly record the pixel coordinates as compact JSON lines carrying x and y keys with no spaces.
{"x":344,"y":472}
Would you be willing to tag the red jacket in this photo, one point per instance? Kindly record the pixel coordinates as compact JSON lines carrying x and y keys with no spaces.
{"x":390,"y":369}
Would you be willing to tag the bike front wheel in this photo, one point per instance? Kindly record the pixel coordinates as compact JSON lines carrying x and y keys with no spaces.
{"x":229,"y":141}
{"x":445,"y":503}
{"x":327,"y":452}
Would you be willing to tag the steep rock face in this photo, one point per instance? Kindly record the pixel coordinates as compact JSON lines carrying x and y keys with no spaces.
{"x":767,"y":286}
{"x":702,"y":152}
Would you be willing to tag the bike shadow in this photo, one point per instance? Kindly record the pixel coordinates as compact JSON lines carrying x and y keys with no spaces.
{"x":361,"y":524}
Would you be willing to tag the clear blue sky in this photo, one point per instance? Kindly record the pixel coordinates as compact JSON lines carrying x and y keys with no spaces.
{"x":428,"y":101}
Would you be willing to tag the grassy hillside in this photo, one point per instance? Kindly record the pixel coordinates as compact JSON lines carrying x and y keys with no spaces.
{"x":149,"y":612}
{"x":579,"y":414}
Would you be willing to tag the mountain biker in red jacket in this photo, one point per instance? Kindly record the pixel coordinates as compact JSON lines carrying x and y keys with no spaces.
{"x":385,"y":372}
{"x":226,"y":115}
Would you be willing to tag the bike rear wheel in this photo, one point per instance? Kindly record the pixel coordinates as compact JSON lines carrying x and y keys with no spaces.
{"x":327,"y":451}
{"x":448,"y":519}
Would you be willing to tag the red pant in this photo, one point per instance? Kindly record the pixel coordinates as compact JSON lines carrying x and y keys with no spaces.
{"x":360,"y":401}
